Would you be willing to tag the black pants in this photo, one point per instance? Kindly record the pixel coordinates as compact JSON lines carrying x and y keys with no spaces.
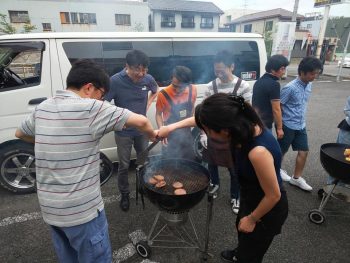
{"x":252,"y":247}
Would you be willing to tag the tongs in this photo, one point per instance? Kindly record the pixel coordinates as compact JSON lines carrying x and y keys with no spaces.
{"x":141,"y":159}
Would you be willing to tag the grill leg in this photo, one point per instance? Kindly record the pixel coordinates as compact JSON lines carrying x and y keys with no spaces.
{"x":326,"y":197}
{"x":153,"y":226}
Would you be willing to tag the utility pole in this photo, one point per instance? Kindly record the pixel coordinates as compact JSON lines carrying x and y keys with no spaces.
{"x":322,"y":30}
{"x":342,"y":61}
{"x":295,"y":10}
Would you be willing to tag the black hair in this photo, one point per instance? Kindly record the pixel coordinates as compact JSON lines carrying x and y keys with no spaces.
{"x":276,"y":62}
{"x":136,"y":58}
{"x":183,"y":74}
{"x":224,"y":56}
{"x":309,"y":64}
{"x":86,"y":71}
{"x":224,"y":111}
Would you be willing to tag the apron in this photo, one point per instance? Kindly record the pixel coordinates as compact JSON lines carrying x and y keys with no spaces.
{"x":219,"y":153}
{"x":180,"y":141}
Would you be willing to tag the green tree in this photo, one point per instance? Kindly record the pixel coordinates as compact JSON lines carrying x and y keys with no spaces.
{"x":268,"y":42}
{"x":138,"y":27}
{"x":28,"y":27}
{"x":5,"y":26}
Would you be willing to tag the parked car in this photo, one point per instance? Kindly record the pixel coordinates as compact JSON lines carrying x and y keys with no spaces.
{"x":34,"y":66}
{"x":346,"y":63}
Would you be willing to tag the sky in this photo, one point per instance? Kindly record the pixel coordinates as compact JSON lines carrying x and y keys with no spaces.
{"x":305,"y":6}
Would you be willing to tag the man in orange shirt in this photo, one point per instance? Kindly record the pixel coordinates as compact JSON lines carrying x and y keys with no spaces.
{"x":175,"y":103}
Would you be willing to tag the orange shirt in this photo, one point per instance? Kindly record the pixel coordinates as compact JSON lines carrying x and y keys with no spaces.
{"x":163,"y":105}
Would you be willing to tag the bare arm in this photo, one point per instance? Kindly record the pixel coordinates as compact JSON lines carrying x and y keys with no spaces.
{"x":141,"y":123}
{"x":151,"y":98}
{"x":159,"y":118}
{"x":264,"y":168}
{"x":20,"y":135}
{"x":165,"y":130}
{"x":277,"y":115}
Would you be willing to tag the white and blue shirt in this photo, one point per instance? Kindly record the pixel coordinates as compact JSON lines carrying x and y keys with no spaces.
{"x":294,"y":98}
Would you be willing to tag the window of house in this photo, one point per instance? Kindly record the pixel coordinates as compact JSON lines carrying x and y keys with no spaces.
{"x":21,"y":65}
{"x":46,"y":26}
{"x":122,"y":19}
{"x":87,"y":18}
{"x":187,"y":21}
{"x":168,"y":20}
{"x":268,"y":26}
{"x":74,"y":18}
{"x":207,"y":21}
{"x":228,"y":19}
{"x":19,"y":16}
{"x":308,"y":26}
{"x":64,"y":17}
{"x":248,"y":28}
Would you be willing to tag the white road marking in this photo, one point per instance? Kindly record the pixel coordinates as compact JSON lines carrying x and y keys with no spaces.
{"x":124,"y":253}
{"x":346,"y":80}
{"x":37,"y":215}
{"x":324,"y":81}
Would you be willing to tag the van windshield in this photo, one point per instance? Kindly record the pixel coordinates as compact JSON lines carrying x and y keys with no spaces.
{"x":20,"y":64}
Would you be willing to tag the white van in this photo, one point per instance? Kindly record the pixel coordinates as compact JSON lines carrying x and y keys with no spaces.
{"x":34,"y":66}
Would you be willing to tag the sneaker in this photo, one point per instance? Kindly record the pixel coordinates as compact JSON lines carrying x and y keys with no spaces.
{"x":124,"y":202}
{"x":301,"y":183}
{"x":215,"y":195}
{"x":229,"y":255}
{"x":235,"y":205}
{"x":285,"y":177}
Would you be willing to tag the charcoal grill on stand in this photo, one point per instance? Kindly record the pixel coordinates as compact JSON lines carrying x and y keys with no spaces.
{"x":333,"y":161}
{"x":173,"y":226}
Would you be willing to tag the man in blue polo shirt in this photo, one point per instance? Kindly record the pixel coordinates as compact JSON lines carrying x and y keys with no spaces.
{"x":294,"y":98}
{"x":133,"y":89}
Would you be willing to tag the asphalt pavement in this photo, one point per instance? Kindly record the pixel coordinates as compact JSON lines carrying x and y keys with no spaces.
{"x":24,"y":237}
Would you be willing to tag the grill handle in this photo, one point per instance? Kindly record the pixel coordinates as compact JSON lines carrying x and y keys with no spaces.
{"x":141,"y":158}
{"x":139,"y":186}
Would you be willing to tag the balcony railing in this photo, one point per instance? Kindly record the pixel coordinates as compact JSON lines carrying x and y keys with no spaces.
{"x":168,"y":24}
{"x":188,"y":24}
{"x":207,"y":25}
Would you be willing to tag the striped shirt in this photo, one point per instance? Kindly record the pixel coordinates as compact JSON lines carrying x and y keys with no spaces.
{"x":67,"y":130}
{"x":294,"y":98}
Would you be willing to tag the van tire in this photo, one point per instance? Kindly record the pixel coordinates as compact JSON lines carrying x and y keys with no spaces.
{"x":197,"y":146}
{"x":106,"y":169}
{"x":17,"y":167}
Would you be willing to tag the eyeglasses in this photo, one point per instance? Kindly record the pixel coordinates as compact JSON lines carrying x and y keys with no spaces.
{"x":139,"y":70}
{"x":103,"y":92}
{"x":181,"y":86}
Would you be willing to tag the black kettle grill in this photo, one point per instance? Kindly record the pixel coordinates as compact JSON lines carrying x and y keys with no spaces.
{"x":174,"y":210}
{"x":333,"y":161}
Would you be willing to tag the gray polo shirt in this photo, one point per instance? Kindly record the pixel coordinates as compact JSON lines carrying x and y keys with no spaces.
{"x":67,"y":130}
{"x":132,"y":96}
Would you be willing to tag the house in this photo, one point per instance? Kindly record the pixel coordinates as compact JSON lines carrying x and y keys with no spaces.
{"x":181,"y":15}
{"x":77,"y":15}
{"x":261,"y":22}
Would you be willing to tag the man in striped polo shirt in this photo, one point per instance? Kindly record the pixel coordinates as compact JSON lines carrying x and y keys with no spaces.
{"x":67,"y":130}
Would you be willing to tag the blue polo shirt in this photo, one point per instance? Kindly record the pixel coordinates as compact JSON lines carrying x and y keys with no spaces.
{"x":131,"y":96}
{"x":294,"y":98}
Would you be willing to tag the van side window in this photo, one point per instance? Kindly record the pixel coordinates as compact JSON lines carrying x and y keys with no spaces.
{"x":165,"y":55}
{"x":20,"y":65}
{"x":199,"y":57}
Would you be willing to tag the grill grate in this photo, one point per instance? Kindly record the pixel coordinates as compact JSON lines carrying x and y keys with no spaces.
{"x":192,"y":179}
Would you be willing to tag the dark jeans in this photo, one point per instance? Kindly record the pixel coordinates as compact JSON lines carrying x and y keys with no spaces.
{"x":214,"y":177}
{"x":124,"y":147}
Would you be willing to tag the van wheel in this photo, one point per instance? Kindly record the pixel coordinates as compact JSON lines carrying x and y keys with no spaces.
{"x":106,"y":169}
{"x":17,"y":167}
{"x":197,"y":146}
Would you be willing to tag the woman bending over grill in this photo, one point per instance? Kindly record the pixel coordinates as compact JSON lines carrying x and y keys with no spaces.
{"x":257,"y":155}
